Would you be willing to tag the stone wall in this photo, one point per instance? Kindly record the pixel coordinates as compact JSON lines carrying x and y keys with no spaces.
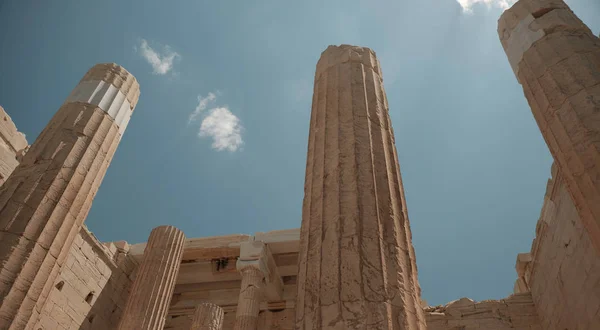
{"x":276,"y":319}
{"x":92,"y":288}
{"x":516,"y":312}
{"x":562,"y":270}
{"x":12,"y":142}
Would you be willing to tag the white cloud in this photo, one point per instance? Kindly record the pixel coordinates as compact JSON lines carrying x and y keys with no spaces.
{"x":224,"y":128}
{"x":161,"y":63}
{"x":467,"y":5}
{"x":220,"y":124}
{"x":202,"y":105}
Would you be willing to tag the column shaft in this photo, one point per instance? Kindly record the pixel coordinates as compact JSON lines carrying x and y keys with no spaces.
{"x":357,"y":266}
{"x":556,"y":58}
{"x":208,"y":317}
{"x":47,"y":198}
{"x":246,"y":316}
{"x":152,"y":289}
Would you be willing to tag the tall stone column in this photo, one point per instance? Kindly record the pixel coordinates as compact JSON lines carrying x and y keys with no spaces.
{"x":46,"y":199}
{"x":356,"y":265}
{"x":208,"y":317}
{"x":251,"y":293}
{"x":152,"y":289}
{"x":556,"y":59}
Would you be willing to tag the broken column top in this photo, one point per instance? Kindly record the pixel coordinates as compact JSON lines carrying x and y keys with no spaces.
{"x":335,"y":55}
{"x":111,"y":88}
{"x":552,"y":12}
{"x":528,"y":21}
{"x":119,"y":77}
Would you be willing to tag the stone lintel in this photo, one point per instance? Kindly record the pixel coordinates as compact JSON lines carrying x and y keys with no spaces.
{"x":228,"y":246}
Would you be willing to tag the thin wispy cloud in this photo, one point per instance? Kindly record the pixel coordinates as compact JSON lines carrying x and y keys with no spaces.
{"x":467,"y":5}
{"x":219,"y":123}
{"x":203,"y":103}
{"x":161,"y":61}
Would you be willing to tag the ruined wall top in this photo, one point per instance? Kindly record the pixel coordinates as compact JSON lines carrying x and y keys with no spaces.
{"x":10,"y":137}
{"x":335,"y":55}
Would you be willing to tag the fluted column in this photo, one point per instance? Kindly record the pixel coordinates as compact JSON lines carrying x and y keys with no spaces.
{"x":556,"y":59}
{"x":251,"y":293}
{"x":46,"y":199}
{"x":207,"y":317}
{"x":152,"y":289}
{"x":356,"y":265}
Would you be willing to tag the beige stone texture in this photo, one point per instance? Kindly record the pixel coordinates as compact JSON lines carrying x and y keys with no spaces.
{"x":117,"y":76}
{"x":207,"y":317}
{"x":557,"y":61}
{"x":12,"y":144}
{"x":200,"y":280}
{"x":516,"y":312}
{"x":562,"y":270}
{"x":91,"y":290}
{"x":357,"y":265}
{"x":44,"y":202}
{"x":282,"y":319}
{"x":152,"y":289}
{"x":250,"y":297}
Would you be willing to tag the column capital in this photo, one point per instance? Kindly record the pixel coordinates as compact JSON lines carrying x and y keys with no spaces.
{"x":243,"y":265}
{"x":257,"y":254}
{"x":253,"y":254}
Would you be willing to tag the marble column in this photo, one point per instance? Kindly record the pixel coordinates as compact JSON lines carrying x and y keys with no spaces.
{"x":556,"y":59}
{"x":356,"y":264}
{"x":45,"y":201}
{"x":251,"y":293}
{"x":152,"y":289}
{"x":208,"y":317}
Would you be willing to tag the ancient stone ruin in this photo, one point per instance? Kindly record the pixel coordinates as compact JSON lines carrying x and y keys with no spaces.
{"x":351,"y":264}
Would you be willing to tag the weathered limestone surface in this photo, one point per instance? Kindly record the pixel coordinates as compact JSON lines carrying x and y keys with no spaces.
{"x":357,"y":265}
{"x":562,"y":270}
{"x":46,"y":199}
{"x":152,"y":290}
{"x":515,"y":312}
{"x":208,"y":317}
{"x":277,"y":320}
{"x":251,"y":293}
{"x":556,"y":58}
{"x":12,"y":142}
{"x":92,"y":288}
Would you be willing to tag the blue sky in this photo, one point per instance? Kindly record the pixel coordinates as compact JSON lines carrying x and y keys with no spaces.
{"x":217,"y":144}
